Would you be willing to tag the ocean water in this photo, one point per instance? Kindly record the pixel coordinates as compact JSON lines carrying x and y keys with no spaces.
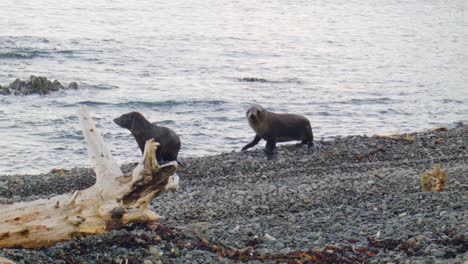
{"x":351,"y":67}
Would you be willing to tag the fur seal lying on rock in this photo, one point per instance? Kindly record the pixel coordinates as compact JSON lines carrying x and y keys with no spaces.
{"x":275,"y":128}
{"x":142,"y":130}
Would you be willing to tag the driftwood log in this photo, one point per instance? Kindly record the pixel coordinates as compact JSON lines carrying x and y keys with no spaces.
{"x":114,"y":201}
{"x":5,"y":261}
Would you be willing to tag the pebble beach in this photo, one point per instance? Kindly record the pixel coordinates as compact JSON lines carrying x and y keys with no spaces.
{"x":357,"y":200}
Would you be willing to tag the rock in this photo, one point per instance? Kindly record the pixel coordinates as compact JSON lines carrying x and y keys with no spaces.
{"x":35,"y":85}
{"x":235,"y":229}
{"x":4,"y":90}
{"x":269,"y":237}
{"x":279,"y":245}
{"x":320,"y":242}
{"x":262,"y":251}
{"x":419,"y":221}
{"x":337,"y":227}
{"x":438,"y":253}
{"x":252,"y":79}
{"x":291,"y":219}
{"x":140,"y":241}
{"x":73,"y":85}
{"x":175,"y":252}
{"x":155,"y":252}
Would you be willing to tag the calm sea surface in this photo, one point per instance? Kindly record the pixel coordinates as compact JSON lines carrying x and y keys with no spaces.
{"x":351,"y":67}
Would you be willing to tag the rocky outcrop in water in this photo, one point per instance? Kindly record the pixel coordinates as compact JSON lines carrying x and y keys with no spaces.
{"x":253,"y":79}
{"x":35,"y":85}
{"x":262,"y":80}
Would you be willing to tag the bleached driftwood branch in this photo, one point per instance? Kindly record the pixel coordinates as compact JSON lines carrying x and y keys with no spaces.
{"x":114,"y":201}
{"x":5,"y":261}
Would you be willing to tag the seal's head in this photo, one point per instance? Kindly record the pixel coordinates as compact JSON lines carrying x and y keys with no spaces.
{"x":129,"y":120}
{"x":255,"y":114}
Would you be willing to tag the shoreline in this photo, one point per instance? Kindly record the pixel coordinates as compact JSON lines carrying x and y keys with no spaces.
{"x":43,"y":166}
{"x":357,"y":193}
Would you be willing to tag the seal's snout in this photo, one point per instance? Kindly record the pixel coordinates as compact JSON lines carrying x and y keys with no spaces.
{"x":251,"y":117}
{"x":117,"y":121}
{"x":120,"y":122}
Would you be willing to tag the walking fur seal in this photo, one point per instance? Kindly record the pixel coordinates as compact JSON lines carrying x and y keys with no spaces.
{"x":275,"y":128}
{"x":142,"y":130}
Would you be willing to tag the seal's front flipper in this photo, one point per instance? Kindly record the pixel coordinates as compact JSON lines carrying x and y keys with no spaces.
{"x":270,"y":149}
{"x":269,"y":155}
{"x":253,"y":143}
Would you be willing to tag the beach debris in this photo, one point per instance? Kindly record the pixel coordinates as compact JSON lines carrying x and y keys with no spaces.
{"x":254,"y":240}
{"x":437,"y":129}
{"x":437,"y":141}
{"x":114,"y":201}
{"x":236,"y":229}
{"x":355,"y":252}
{"x":371,"y":154}
{"x":376,"y":236}
{"x":433,"y":181}
{"x":35,"y":85}
{"x":269,"y":237}
{"x":404,"y":137}
{"x":55,"y":170}
{"x":395,"y":137}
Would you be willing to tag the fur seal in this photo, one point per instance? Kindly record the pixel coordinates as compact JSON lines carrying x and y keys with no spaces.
{"x":142,"y":130}
{"x":275,"y":128}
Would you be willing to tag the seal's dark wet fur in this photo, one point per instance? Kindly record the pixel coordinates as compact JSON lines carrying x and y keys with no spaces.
{"x":275,"y":128}
{"x":142,"y":130}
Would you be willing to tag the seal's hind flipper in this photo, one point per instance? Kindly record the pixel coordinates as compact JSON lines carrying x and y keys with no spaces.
{"x":312,"y":148}
{"x":181,"y":164}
